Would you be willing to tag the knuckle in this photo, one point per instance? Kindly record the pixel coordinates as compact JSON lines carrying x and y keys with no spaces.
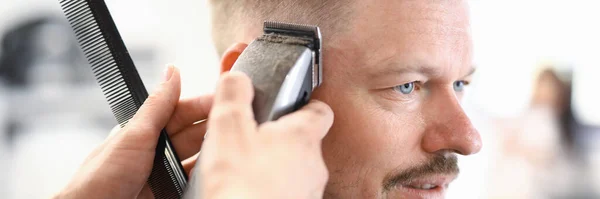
{"x":300,"y":127}
{"x":235,"y":78}
{"x":133,"y":137}
{"x":231,"y":113}
{"x":302,"y":132}
{"x":217,"y":166}
{"x":159,"y":98}
{"x":268,"y":126}
{"x":320,"y":113}
{"x":142,"y":128}
{"x":321,"y":109}
{"x":153,"y":99}
{"x":234,"y":113}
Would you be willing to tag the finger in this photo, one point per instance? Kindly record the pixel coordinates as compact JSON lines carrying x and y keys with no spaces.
{"x":312,"y":120}
{"x":189,"y":163}
{"x":232,"y":106}
{"x":189,"y":111}
{"x":144,"y":128}
{"x":113,"y":132}
{"x":189,"y":141}
{"x":145,"y":193}
{"x":108,"y":139}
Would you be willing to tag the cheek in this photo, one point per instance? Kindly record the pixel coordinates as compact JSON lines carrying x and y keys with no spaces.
{"x":403,"y":123}
{"x":366,"y":141}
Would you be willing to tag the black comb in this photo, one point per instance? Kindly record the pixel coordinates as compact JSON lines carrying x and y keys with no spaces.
{"x":122,"y":86}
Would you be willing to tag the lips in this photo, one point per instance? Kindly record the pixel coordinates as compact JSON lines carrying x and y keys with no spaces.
{"x":425,"y":187}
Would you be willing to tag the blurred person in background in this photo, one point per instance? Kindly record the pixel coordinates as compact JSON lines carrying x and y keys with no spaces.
{"x":538,"y":156}
{"x":552,"y":97}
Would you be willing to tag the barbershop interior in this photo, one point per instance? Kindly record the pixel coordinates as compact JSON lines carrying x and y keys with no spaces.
{"x":534,"y":97}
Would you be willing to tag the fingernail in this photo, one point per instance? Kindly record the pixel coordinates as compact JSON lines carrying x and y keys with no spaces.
{"x":168,"y":72}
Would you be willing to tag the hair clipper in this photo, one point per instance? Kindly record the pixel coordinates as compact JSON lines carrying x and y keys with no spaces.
{"x":285,"y":66}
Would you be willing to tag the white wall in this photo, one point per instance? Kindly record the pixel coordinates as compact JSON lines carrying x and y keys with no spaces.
{"x":512,"y":37}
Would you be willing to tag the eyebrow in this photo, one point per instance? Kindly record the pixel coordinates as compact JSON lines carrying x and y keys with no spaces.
{"x":471,"y":71}
{"x":427,"y":70}
{"x":393,"y":69}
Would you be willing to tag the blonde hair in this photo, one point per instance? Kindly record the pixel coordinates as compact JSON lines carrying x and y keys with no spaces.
{"x":231,"y":19}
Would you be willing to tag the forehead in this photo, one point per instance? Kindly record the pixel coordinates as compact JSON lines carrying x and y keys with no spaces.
{"x":431,"y":33}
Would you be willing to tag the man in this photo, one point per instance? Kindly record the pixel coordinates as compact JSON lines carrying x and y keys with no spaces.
{"x":394,"y":73}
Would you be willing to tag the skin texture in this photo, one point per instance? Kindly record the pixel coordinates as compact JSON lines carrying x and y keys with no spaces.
{"x":382,"y":139}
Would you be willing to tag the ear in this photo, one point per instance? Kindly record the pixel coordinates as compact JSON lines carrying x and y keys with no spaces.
{"x":231,"y":55}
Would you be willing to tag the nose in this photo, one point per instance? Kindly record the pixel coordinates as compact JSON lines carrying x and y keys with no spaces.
{"x":449,"y":129}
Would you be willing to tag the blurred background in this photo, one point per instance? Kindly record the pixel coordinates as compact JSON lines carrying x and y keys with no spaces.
{"x":533,"y":99}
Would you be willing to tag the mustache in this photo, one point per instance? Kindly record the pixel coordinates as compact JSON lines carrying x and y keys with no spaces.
{"x":438,"y":164}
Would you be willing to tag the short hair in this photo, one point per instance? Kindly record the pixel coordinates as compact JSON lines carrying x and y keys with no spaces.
{"x":233,"y":18}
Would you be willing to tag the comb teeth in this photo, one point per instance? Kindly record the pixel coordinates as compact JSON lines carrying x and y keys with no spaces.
{"x":99,"y":55}
{"x":291,"y":28}
{"x":281,"y":25}
{"x":122,"y":87}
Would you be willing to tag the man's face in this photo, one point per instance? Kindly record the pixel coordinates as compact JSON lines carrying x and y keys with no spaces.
{"x":395,"y":81}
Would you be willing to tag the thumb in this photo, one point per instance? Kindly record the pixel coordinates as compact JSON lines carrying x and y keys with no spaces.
{"x":156,"y":111}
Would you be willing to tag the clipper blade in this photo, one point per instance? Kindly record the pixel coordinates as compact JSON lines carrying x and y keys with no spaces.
{"x":292,"y":29}
{"x":305,"y":31}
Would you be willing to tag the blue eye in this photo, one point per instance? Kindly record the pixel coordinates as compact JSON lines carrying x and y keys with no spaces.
{"x":405,"y":88}
{"x":459,"y":86}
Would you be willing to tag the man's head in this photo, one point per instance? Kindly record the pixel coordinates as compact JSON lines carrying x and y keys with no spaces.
{"x":394,"y":74}
{"x":551,"y":92}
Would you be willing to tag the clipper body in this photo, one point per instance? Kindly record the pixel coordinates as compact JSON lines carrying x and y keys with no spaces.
{"x":285,"y":67}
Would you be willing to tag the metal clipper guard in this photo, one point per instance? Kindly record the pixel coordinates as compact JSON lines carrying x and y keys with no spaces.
{"x":285,"y":66}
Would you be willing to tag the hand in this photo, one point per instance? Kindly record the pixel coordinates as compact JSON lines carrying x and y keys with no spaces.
{"x":278,"y":159}
{"x":119,"y":167}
